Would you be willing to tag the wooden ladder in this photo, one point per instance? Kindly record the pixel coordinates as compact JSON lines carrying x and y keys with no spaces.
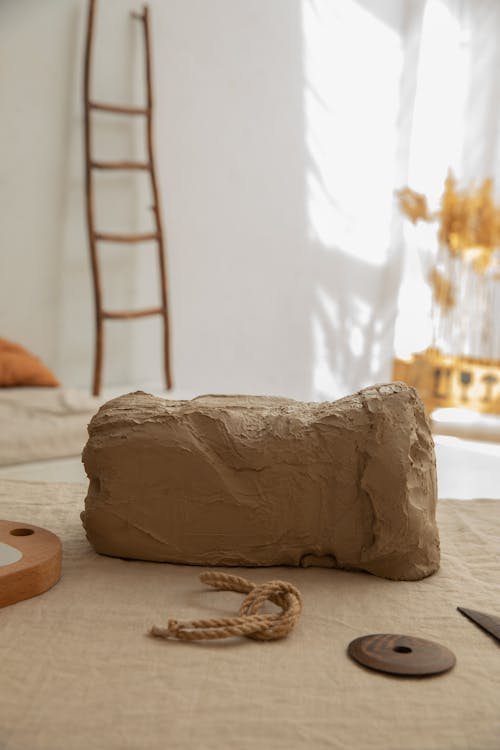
{"x":91,"y":165}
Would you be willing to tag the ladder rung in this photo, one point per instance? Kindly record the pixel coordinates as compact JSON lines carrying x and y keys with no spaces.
{"x":120,"y":165}
{"x":132,"y":313}
{"x":119,"y":109}
{"x":109,"y":237}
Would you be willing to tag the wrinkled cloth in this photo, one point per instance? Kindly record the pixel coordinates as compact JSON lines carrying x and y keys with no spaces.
{"x":79,"y":671}
{"x":38,"y":424}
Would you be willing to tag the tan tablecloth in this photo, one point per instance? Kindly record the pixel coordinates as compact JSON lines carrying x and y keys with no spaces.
{"x":77,"y":670}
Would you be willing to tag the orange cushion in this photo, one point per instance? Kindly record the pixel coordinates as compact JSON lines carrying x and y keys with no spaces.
{"x":19,"y":367}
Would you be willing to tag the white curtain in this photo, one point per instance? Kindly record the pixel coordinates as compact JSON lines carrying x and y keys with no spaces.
{"x":397,"y":93}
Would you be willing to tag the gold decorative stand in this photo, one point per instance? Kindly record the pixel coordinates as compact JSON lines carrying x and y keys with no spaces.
{"x":452,"y":381}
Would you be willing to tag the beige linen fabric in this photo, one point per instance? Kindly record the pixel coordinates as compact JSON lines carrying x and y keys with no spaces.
{"x":78,"y":672}
{"x":43,"y":423}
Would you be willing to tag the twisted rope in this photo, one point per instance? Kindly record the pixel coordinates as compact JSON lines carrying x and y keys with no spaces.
{"x":249,"y":622}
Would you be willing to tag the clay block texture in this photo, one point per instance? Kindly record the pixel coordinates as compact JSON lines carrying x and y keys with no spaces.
{"x":260,"y":481}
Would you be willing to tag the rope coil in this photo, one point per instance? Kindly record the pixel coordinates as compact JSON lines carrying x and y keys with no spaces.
{"x":250,"y":622}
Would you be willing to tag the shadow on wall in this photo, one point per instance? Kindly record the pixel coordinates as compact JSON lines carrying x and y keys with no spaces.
{"x":275,"y":130}
{"x":351,"y":329}
{"x":290,"y":256}
{"x":353,"y":64}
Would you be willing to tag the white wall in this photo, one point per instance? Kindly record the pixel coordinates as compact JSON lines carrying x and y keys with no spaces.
{"x":248,"y":268}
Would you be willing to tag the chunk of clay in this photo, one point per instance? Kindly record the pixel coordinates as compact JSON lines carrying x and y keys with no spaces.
{"x":254,"y":480}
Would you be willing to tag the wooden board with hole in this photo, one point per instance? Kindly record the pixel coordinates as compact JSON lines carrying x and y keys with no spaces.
{"x":30,"y":561}
{"x":401,"y":655}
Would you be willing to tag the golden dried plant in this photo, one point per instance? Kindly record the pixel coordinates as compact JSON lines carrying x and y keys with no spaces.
{"x":469,"y":220}
{"x":443,"y":292}
{"x":413,"y":204}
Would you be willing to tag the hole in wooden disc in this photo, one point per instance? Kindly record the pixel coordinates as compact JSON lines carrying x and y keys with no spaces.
{"x":402,"y":649}
{"x":22,"y":532}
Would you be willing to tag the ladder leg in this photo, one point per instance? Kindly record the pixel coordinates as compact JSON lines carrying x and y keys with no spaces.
{"x":96,"y":388}
{"x":89,"y":203}
{"x":166,"y":351}
{"x":156,"y":204}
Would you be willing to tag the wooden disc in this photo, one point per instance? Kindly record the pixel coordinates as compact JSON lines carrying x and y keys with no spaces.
{"x":401,"y":654}
{"x":30,"y":561}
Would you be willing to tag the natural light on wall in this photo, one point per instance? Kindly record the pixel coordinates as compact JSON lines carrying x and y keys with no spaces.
{"x":436,"y":144}
{"x":352,"y":72}
{"x":352,"y":69}
{"x":386,"y":101}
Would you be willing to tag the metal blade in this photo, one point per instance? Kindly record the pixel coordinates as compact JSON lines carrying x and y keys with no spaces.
{"x":490,"y":623}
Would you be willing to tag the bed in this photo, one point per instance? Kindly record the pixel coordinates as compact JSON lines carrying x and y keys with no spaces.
{"x":43,"y":423}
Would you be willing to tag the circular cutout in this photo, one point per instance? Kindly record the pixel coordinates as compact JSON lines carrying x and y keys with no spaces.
{"x":9,"y":554}
{"x":21,"y":532}
{"x":401,"y":654}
